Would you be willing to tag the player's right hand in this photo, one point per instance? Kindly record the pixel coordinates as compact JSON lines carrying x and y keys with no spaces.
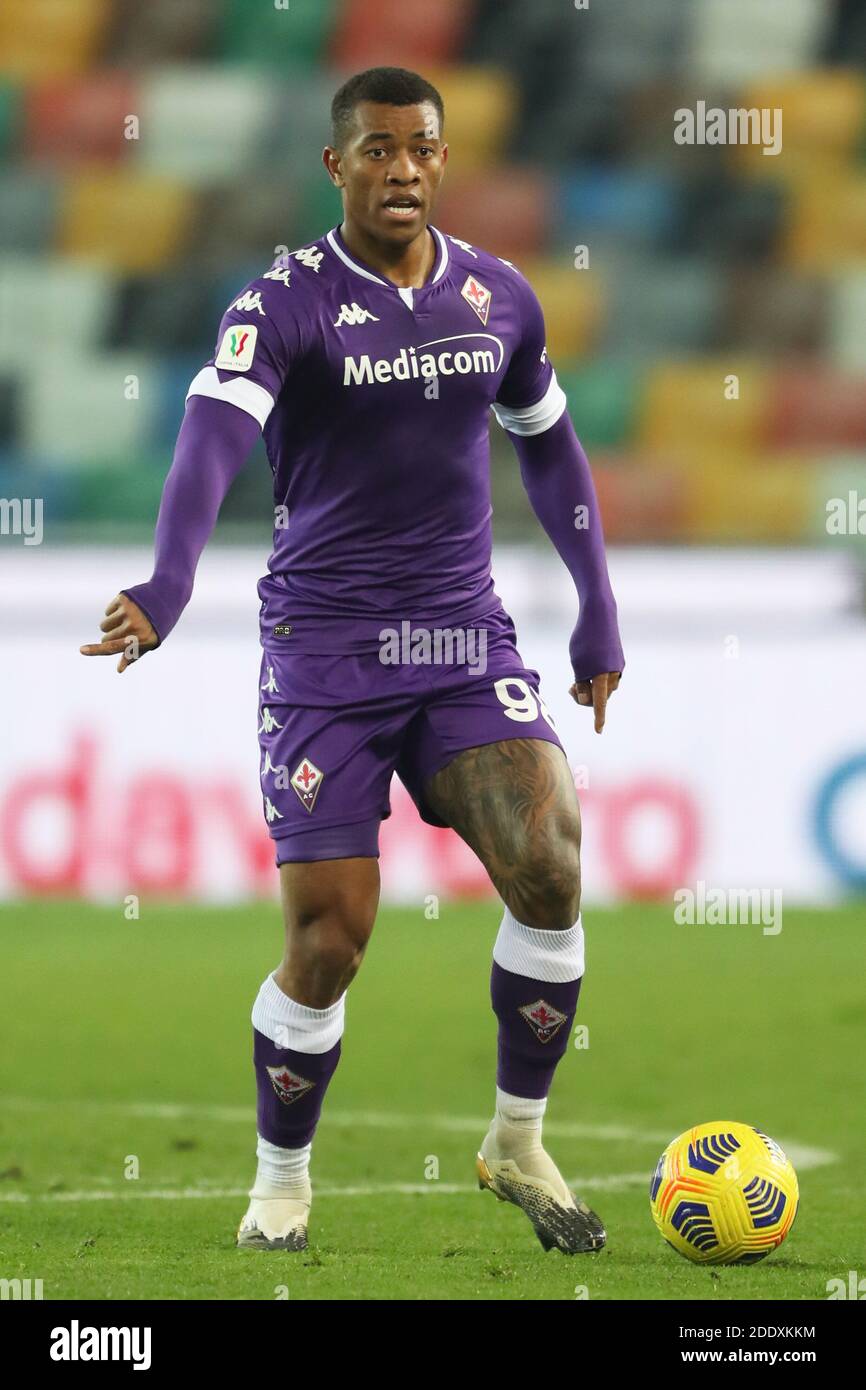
{"x":128,"y":631}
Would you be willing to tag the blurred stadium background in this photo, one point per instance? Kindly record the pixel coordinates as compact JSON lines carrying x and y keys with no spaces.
{"x":153,"y":157}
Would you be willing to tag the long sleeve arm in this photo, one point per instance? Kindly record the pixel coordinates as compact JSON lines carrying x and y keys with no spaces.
{"x":559,"y":485}
{"x":212,"y":447}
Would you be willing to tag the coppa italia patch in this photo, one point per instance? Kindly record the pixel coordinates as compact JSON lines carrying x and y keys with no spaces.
{"x":237,"y":348}
{"x":544,"y":1020}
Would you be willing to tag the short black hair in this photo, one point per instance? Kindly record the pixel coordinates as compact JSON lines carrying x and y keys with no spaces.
{"x":394,"y":86}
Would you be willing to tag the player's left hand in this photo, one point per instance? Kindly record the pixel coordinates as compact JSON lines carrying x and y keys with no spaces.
{"x":596,"y":692}
{"x":129,"y":633}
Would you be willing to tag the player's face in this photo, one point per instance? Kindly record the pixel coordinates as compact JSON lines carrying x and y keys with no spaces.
{"x":391,"y":168}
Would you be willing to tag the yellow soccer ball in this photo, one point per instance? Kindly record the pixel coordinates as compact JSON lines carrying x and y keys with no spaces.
{"x":724,"y":1193}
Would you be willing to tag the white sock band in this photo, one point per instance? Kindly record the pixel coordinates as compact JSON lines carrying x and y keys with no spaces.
{"x":280,"y":1169}
{"x":295,"y":1025}
{"x":553,"y":956}
{"x":519,"y":1110}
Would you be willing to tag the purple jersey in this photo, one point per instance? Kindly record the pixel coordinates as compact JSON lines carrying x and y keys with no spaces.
{"x":374,"y":402}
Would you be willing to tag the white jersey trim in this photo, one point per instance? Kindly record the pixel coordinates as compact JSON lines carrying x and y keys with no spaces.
{"x":441,"y":267}
{"x":240,"y":391}
{"x":533,"y":419}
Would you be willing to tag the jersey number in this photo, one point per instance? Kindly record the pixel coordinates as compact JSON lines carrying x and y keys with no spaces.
{"x":525,"y":706}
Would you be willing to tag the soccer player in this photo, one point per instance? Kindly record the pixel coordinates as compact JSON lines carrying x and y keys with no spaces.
{"x":370,"y":359}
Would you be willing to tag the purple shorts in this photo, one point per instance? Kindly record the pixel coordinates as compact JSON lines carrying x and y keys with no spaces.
{"x":334,"y":729}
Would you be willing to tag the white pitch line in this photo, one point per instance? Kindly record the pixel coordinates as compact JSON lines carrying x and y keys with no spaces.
{"x":384,"y":1189}
{"x":803,"y":1156}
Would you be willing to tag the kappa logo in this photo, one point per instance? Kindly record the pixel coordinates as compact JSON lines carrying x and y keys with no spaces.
{"x":269,"y":723}
{"x":284,"y":276}
{"x":544,"y":1020}
{"x":249,"y":300}
{"x":309,"y":257}
{"x":353,"y":314}
{"x":464,"y":244}
{"x":477,"y":296}
{"x":306,"y":780}
{"x":237,"y":348}
{"x":288,"y":1085}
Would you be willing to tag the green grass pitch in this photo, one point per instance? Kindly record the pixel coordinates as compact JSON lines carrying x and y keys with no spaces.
{"x":128,"y":1043}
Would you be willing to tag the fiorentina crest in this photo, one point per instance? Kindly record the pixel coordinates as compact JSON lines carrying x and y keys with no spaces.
{"x":306,"y":780}
{"x":288,"y":1085}
{"x":544,"y":1020}
{"x":477,"y":296}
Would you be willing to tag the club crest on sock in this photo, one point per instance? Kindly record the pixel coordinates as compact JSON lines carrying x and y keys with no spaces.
{"x":544,"y":1020}
{"x":288,"y":1085}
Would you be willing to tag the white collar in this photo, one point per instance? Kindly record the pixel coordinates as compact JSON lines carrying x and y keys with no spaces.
{"x":441,"y":265}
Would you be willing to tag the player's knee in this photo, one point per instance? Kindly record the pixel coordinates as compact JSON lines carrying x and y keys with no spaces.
{"x":548,"y":896}
{"x":326,"y":945}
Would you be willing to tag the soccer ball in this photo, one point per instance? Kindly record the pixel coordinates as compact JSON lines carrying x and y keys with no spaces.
{"x":724,"y":1194}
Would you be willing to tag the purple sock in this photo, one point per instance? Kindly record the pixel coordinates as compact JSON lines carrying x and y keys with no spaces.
{"x":535,"y":1020}
{"x":295,"y":1053}
{"x":534,"y":986}
{"x":291,"y":1088}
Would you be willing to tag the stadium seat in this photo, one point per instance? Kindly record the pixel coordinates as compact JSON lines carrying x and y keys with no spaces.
{"x":36,"y":477}
{"x":827,"y":227}
{"x":837,"y":488}
{"x":728,"y":218}
{"x":812,"y":407}
{"x":768,"y":310}
{"x":175,"y":308}
{"x":671,"y":306}
{"x":68,"y":304}
{"x":320,"y":208}
{"x":10,"y":116}
{"x":28,"y":209}
{"x":761,"y":498}
{"x":298,"y":123}
{"x":733,"y":41}
{"x":504,"y":210}
{"x":70,"y":119}
{"x":824,"y":113}
{"x":633,"y":205}
{"x":127,"y":490}
{"x":80,"y":411}
{"x":573,"y":305}
{"x":629,"y":42}
{"x":480,"y":106}
{"x":161,"y":31}
{"x":293,"y":34}
{"x":846,"y":338}
{"x":127,"y":220}
{"x":405,"y":33}
{"x":602,"y":399}
{"x":233,"y":231}
{"x":684,"y":407}
{"x":636,"y":501}
{"x":223,"y":114}
{"x":47,"y":38}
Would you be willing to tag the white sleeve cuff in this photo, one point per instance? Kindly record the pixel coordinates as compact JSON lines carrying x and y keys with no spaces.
{"x":240,"y":391}
{"x":533,"y":419}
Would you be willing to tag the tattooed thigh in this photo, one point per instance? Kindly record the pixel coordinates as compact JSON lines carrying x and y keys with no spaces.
{"x":515,"y":805}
